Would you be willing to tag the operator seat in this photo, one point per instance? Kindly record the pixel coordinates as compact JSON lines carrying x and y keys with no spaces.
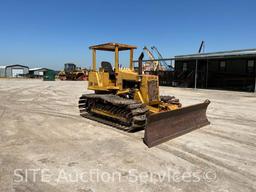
{"x":108,"y":68}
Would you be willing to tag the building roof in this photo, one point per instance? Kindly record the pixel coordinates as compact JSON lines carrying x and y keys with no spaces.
{"x":2,"y":67}
{"x":111,"y":47}
{"x":38,"y":69}
{"x":16,"y":65}
{"x":219,"y":55}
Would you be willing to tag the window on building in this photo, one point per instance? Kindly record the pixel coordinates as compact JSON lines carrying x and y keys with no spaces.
{"x":223,"y":66}
{"x":250,"y":66}
{"x":185,"y":66}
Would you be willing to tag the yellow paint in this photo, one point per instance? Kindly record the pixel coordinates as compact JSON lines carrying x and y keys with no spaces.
{"x":147,"y":91}
{"x":94,"y":60}
{"x":131,"y":59}
{"x":116,"y":59}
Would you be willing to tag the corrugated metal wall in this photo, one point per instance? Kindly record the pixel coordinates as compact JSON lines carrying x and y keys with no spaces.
{"x":10,"y":68}
{"x":235,"y":74}
{"x":2,"y":72}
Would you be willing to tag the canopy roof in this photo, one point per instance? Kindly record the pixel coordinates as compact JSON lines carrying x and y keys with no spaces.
{"x":38,"y":69}
{"x":219,"y":55}
{"x":111,"y":47}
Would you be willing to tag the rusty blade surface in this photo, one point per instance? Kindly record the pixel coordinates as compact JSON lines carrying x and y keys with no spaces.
{"x":168,"y":125}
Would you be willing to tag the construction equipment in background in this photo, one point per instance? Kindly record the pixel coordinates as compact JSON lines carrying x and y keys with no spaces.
{"x":151,"y":65}
{"x":162,"y":62}
{"x":202,"y":47}
{"x":159,"y":67}
{"x":71,"y":72}
{"x":187,"y":78}
{"x":130,"y":100}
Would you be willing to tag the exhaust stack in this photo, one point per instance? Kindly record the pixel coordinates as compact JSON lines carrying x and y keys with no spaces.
{"x":140,"y":63}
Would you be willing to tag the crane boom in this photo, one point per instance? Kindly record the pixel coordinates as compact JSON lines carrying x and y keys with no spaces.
{"x":202,"y":47}
{"x":151,"y":56}
{"x":168,"y":67}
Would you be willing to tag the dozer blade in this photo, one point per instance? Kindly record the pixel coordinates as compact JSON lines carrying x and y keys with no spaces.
{"x":164,"y":126}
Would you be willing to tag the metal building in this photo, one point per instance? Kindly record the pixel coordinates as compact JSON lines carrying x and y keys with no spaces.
{"x":13,"y":70}
{"x":2,"y":71}
{"x":37,"y":72}
{"x":228,"y":70}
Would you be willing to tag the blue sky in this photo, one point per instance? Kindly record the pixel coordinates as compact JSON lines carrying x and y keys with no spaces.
{"x":48,"y":33}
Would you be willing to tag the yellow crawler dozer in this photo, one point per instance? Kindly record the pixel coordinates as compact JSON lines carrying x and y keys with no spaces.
{"x":130,"y":100}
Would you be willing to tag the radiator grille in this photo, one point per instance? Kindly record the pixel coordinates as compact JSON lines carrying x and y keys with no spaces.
{"x":152,"y":90}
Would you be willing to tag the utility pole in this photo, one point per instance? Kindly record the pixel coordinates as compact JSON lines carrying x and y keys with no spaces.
{"x":201,"y":48}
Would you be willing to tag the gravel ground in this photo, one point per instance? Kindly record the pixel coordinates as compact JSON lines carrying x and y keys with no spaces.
{"x":46,"y":146}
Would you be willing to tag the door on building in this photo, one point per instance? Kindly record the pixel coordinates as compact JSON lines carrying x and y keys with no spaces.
{"x":202,"y":74}
{"x":17,"y":72}
{"x":41,"y":73}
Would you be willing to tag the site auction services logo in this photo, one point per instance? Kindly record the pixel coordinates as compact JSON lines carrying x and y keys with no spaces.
{"x":97,"y":175}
